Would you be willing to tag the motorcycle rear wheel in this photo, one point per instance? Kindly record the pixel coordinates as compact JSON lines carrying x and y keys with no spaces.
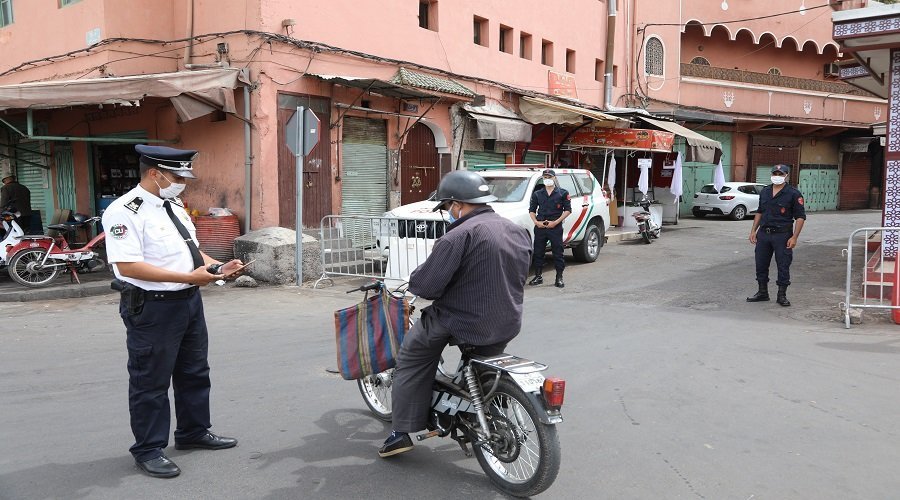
{"x":523,"y":456}
{"x":25,"y":268}
{"x":645,"y":232}
{"x":376,"y":392}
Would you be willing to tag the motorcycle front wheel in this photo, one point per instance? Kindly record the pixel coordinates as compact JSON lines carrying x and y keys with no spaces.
{"x":645,"y":232}
{"x":523,"y":455}
{"x":25,"y":268}
{"x":376,"y":392}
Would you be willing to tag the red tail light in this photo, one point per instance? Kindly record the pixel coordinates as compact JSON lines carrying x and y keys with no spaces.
{"x":554,"y":392}
{"x":726,"y":198}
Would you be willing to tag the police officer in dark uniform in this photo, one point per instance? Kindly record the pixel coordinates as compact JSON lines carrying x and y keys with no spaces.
{"x":153,"y":247}
{"x":775,"y":232}
{"x":550,"y":205}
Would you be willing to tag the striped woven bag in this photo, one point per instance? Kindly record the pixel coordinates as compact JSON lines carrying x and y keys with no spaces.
{"x":368,"y":335}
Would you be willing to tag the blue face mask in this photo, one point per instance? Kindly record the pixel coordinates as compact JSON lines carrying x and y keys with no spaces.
{"x":450,"y":216}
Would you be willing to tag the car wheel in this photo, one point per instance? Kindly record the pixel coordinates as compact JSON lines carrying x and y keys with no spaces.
{"x":739,"y":212}
{"x":590,"y":246}
{"x":698,"y":214}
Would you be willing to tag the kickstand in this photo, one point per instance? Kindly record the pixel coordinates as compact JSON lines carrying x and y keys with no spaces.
{"x":73,"y":275}
{"x":461,"y":440}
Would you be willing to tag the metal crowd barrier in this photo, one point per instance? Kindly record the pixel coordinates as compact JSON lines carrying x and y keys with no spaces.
{"x":874,"y":272}
{"x":384,"y":248}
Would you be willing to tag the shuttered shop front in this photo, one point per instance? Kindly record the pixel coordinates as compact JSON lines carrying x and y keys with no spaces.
{"x":364,"y":174}
{"x":33,"y":172}
{"x":855,"y":181}
{"x":476,"y":158}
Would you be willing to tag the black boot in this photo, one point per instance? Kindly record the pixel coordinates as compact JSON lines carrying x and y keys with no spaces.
{"x":538,"y":279}
{"x":559,"y":281}
{"x":782,"y":299}
{"x":762,"y":295}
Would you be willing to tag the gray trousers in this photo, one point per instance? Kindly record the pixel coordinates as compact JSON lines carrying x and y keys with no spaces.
{"x":414,"y":374}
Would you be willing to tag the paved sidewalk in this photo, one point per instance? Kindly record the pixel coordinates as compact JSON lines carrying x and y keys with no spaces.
{"x":96,"y":283}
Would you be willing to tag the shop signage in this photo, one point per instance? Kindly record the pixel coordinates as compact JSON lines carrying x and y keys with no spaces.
{"x":621,"y":138}
{"x":561,"y":85}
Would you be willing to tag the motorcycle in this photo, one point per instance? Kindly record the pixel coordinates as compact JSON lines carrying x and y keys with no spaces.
{"x":502,"y":406}
{"x":36,"y":260}
{"x":645,"y":223}
{"x":10,"y":233}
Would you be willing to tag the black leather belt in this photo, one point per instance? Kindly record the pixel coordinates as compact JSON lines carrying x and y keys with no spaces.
{"x":169,"y":295}
{"x":772,"y":230}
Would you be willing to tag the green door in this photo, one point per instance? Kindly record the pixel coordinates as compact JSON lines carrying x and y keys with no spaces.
{"x":65,"y":176}
{"x":819,"y":187}
{"x":474,"y":159}
{"x":696,"y":175}
{"x":33,"y":171}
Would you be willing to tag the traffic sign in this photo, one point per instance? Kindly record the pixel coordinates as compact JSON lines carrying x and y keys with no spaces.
{"x":301,"y":138}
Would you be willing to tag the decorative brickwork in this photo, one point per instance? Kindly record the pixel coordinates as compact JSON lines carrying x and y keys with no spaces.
{"x":867,"y":27}
{"x":736,"y":75}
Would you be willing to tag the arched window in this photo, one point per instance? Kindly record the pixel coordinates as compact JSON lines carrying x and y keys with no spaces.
{"x":774,"y":71}
{"x":701,"y":61}
{"x":654,"y":57}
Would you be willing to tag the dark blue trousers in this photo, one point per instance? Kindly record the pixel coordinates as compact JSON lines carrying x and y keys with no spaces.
{"x":166,"y":341}
{"x":555,"y":237}
{"x":773,"y":244}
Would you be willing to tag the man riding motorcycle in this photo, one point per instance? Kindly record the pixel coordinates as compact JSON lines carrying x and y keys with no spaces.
{"x":475,"y":277}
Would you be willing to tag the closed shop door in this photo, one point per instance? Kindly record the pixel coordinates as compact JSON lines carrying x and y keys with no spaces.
{"x":474,"y":159}
{"x":33,"y":171}
{"x":537,"y":157}
{"x":65,"y":176}
{"x":419,"y":165}
{"x":764,"y":157}
{"x":854,"y":187}
{"x":696,"y":175}
{"x":364,"y":188}
{"x":819,"y":188}
{"x":316,"y":169}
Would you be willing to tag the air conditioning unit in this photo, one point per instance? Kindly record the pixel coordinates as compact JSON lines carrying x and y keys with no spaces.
{"x":831,"y":69}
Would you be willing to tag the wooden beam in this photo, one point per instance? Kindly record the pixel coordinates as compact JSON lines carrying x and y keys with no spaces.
{"x":832,"y":131}
{"x":806,"y":130}
{"x":751,"y":126}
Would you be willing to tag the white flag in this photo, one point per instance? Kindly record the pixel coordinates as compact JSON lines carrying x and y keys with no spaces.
{"x":677,"y":189}
{"x":643,"y":184}
{"x":611,"y":178}
{"x":719,"y":179}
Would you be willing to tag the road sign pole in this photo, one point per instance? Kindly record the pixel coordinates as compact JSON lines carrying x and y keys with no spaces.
{"x":299,"y":157}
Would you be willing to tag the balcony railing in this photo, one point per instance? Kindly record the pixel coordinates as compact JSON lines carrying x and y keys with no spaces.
{"x":736,"y":75}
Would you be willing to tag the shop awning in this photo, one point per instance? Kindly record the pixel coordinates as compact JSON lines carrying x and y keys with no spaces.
{"x":700,"y":148}
{"x":495,"y":122}
{"x":376,"y":86}
{"x":430,"y":82}
{"x":537,"y":110}
{"x":194,"y":93}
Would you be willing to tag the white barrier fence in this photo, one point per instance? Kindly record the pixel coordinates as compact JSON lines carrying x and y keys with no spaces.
{"x":872,"y":264}
{"x":375,"y":247}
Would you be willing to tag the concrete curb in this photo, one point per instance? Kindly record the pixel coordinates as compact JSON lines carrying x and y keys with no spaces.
{"x":67,"y":291}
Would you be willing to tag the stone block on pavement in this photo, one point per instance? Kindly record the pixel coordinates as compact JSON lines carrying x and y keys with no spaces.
{"x":274,"y":251}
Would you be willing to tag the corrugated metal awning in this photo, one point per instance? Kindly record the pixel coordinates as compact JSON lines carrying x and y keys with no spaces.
{"x":376,"y":86}
{"x":194,"y":93}
{"x":537,"y":110}
{"x":498,"y":123}
{"x":700,"y":148}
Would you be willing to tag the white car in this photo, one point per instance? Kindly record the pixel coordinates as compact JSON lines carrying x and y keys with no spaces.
{"x":736,"y":200}
{"x":584,"y":231}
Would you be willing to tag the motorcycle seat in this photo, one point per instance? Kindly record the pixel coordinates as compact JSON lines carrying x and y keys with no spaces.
{"x":62,"y":227}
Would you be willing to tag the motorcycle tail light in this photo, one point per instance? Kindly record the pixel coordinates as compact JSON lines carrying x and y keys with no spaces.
{"x":726,"y":198}
{"x":554,"y":392}
{"x":696,"y":195}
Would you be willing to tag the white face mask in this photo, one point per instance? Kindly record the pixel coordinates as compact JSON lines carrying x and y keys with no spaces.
{"x":778,"y":179}
{"x":548,"y":182}
{"x":170,"y":191}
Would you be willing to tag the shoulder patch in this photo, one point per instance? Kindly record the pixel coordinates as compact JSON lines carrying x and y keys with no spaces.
{"x":800,"y":200}
{"x":135,"y":204}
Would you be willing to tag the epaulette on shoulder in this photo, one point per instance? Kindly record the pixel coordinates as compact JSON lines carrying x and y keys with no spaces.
{"x":135,"y":204}
{"x":177,"y":201}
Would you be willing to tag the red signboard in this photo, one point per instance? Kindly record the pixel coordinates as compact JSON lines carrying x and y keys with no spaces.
{"x":622,"y":138}
{"x":562,"y":85}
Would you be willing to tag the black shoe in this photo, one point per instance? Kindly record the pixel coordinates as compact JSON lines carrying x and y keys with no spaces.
{"x":782,"y":300}
{"x":559,"y":283}
{"x":160,"y":466}
{"x":537,"y":280}
{"x":759,"y":297}
{"x":395,"y":444}
{"x":208,"y":441}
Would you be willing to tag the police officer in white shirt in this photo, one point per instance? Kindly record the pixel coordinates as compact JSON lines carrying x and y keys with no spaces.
{"x":153,"y":247}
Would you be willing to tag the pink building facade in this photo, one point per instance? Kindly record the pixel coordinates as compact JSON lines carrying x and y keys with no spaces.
{"x":406,"y":90}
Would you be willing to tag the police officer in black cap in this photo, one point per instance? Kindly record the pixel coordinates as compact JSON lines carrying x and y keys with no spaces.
{"x":550,"y":205}
{"x":159,"y":267}
{"x":775,"y":232}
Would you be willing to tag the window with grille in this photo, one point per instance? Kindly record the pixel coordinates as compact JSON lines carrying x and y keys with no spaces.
{"x":700,"y":61}
{"x":654,"y":57}
{"x":774,"y":71}
{"x":63,"y":3}
{"x":6,"y":12}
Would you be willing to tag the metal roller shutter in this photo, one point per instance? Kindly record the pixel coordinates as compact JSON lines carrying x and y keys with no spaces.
{"x":65,"y":177}
{"x":855,"y":181}
{"x":536,"y":157}
{"x":476,"y":158}
{"x":29,"y":155}
{"x":364,"y":188}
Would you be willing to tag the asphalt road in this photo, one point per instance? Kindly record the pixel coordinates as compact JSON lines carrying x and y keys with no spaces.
{"x":676,"y":388}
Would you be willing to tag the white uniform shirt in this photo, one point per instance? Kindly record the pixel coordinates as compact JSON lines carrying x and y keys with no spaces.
{"x":145,"y":233}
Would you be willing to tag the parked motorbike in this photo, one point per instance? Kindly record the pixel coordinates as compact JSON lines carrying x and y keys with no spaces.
{"x":10,"y":232}
{"x":645,"y":223}
{"x":36,"y":260}
{"x":502,"y":406}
